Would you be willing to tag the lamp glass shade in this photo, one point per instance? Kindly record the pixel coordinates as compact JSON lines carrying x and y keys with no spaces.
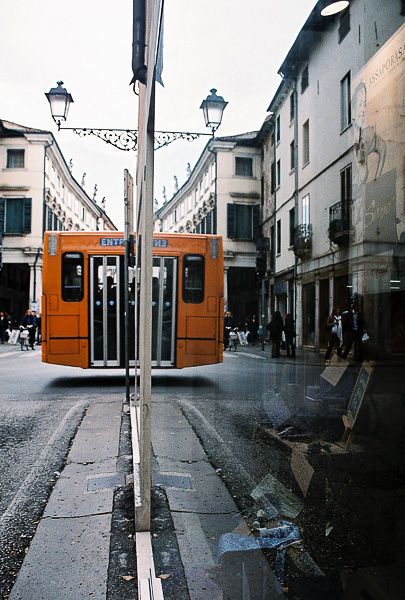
{"x":334,"y":7}
{"x":213,"y":107}
{"x":59,"y":100}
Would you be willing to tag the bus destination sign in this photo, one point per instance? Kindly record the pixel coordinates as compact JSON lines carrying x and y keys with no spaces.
{"x":157,"y":243}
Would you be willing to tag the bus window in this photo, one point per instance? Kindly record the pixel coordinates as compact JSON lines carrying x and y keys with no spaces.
{"x":72,"y":277}
{"x":193,"y":278}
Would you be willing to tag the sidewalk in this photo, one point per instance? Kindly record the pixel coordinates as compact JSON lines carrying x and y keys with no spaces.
{"x":76,"y":552}
{"x":84,"y":545}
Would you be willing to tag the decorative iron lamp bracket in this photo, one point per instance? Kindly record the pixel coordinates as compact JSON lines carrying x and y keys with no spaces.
{"x":127,"y":139}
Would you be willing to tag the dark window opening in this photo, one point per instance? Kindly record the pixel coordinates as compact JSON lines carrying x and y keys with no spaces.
{"x":243,"y":166}
{"x":292,"y":107}
{"x":243,"y":221}
{"x":344,"y":25}
{"x":16,"y":215}
{"x":304,"y":80}
{"x":279,"y":236}
{"x":346,"y":191}
{"x":292,"y":156}
{"x":292,"y":226}
{"x":15,"y":159}
{"x":193,"y":278}
{"x":72,"y":277}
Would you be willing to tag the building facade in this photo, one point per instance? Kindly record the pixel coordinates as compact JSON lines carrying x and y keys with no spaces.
{"x":37,"y":192}
{"x":333,"y":174}
{"x":223,"y":196}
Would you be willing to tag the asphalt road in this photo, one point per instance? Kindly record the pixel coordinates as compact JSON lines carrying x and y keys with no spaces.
{"x":41,"y":407}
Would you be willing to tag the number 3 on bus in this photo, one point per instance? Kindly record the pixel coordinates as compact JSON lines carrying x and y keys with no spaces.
{"x":83,"y":300}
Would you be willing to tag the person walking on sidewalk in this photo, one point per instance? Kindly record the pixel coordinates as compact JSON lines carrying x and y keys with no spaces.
{"x":229,"y":325}
{"x":289,"y":330}
{"x":4,"y":325}
{"x":353,"y":329}
{"x":275,"y":328}
{"x":29,"y":321}
{"x":334,"y":327}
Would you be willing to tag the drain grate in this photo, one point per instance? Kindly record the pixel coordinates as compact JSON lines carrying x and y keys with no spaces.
{"x":103,"y":481}
{"x":180,"y":481}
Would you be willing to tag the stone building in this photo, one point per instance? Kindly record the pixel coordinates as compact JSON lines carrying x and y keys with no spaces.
{"x":222,"y":195}
{"x":37,"y":192}
{"x":333,"y":177}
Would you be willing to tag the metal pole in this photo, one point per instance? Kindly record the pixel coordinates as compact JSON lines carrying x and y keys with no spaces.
{"x":126,"y":282}
{"x":262,"y":317}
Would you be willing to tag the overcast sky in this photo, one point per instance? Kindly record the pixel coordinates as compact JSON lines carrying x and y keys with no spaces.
{"x":233,"y":45}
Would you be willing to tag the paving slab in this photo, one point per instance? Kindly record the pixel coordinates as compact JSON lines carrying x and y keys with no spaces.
{"x":73,"y":496}
{"x":67,"y":559}
{"x":179,"y":443}
{"x":96,"y":440}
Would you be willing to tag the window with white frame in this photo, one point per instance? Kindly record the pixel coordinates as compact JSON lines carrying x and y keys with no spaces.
{"x":278,"y":173}
{"x":305,"y":214}
{"x":345,"y":102}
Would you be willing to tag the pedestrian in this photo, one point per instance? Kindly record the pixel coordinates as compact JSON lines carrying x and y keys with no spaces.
{"x":29,"y":321}
{"x":289,"y":330}
{"x":229,"y":325}
{"x":4,"y":326}
{"x":335,"y":338}
{"x":39,"y":333}
{"x":275,"y":328}
{"x":352,"y":330}
{"x":252,"y":328}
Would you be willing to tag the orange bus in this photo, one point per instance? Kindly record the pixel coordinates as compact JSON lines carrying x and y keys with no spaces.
{"x":83,"y":300}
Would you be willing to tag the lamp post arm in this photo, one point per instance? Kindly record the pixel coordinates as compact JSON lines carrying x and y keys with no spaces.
{"x":127,"y":139}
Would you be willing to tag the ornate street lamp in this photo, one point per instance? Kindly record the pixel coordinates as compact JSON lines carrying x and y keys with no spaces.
{"x":332,"y":8}
{"x":127,"y":139}
{"x":59,"y":100}
{"x":213,"y":108}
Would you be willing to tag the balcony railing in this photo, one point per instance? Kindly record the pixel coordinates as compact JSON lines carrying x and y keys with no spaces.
{"x":340,"y":230}
{"x":303,"y":240}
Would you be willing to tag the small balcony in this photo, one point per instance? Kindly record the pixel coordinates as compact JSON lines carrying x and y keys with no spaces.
{"x":340,"y":231}
{"x":303,"y":241}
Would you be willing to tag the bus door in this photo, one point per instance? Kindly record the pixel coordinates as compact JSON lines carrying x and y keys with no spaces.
{"x":164,"y":288}
{"x":104,"y":311}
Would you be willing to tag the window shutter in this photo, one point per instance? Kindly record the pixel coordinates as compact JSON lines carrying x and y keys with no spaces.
{"x":27,"y":215}
{"x":2,"y":207}
{"x":231,"y":221}
{"x":49,"y":223}
{"x":256,"y":221}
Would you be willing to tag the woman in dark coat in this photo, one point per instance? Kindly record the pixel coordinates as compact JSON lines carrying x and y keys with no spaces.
{"x":29,"y":321}
{"x":289,"y":330}
{"x":275,"y":328}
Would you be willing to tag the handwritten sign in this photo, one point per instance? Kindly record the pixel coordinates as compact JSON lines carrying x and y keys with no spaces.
{"x":358,"y":393}
{"x":335,"y":371}
{"x":13,"y":339}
